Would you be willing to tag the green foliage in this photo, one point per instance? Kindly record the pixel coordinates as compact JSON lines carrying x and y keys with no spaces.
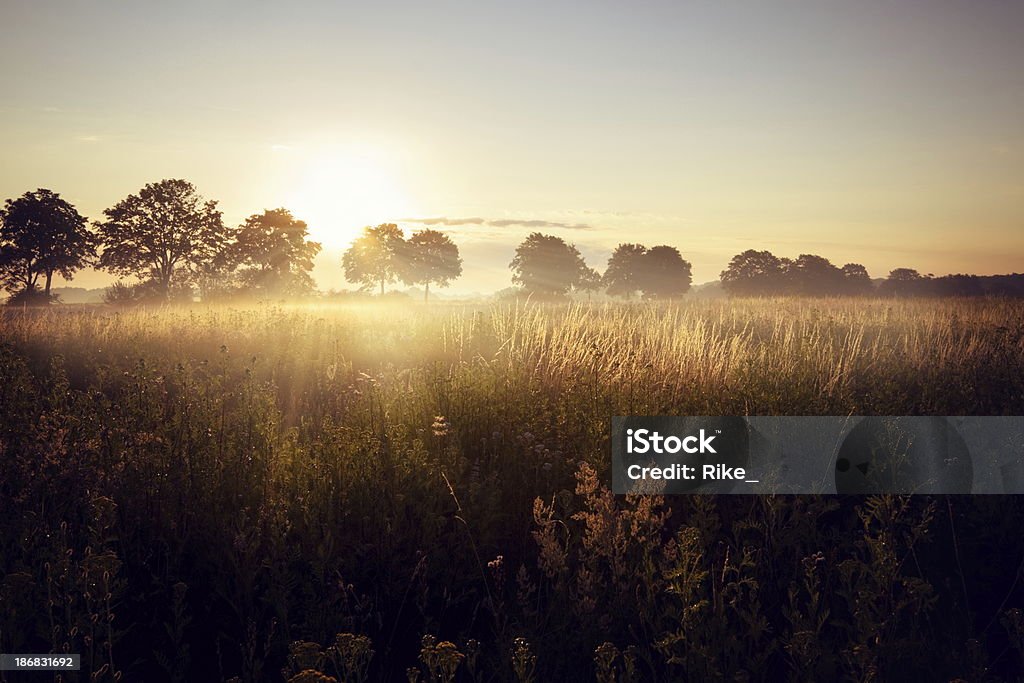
{"x":375,"y":257}
{"x":272,"y":255}
{"x":165,"y":234}
{"x":430,"y":257}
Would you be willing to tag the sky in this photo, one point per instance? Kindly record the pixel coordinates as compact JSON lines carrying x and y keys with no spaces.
{"x":885,"y":133}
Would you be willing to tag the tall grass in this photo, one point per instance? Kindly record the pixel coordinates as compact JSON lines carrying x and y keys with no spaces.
{"x":267,"y":493}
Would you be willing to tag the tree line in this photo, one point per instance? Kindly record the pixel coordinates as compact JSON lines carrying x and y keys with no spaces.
{"x":166,"y":236}
{"x":173,"y":242}
{"x":761,"y":273}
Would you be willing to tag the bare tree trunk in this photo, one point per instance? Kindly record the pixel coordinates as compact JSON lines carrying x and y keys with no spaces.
{"x":426,"y":292}
{"x":49,"y":277}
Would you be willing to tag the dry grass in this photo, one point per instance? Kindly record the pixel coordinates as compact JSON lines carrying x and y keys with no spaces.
{"x":248,"y":486}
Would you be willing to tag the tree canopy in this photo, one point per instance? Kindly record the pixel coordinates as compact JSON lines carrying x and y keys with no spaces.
{"x":663,"y":273}
{"x":590,"y":282}
{"x":621,"y":277}
{"x":172,"y":239}
{"x":761,"y":273}
{"x":754,"y":273}
{"x":812,"y":275}
{"x":165,"y":233}
{"x":273,"y":254}
{"x":903,"y":282}
{"x":375,"y":257}
{"x":856,"y":279}
{"x":429,"y":257}
{"x":546,"y":266}
{"x":41,"y":235}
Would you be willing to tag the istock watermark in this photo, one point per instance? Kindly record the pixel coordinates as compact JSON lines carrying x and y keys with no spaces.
{"x":817,"y":455}
{"x":644,"y":441}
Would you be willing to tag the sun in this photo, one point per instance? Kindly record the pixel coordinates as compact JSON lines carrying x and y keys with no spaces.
{"x":340,"y":191}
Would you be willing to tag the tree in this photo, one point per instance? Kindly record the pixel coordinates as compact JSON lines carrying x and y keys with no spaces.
{"x":959,"y":284}
{"x":166,"y":233}
{"x":754,"y":273}
{"x":590,"y":282}
{"x":621,"y":277}
{"x":275,"y":257}
{"x":429,"y":256}
{"x":546,"y":266}
{"x":664,"y":273}
{"x":903,"y":282}
{"x":856,"y":279}
{"x":41,"y":235}
{"x":375,"y":257}
{"x":812,"y":275}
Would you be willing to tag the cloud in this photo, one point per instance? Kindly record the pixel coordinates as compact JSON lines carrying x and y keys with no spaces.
{"x":509,"y":222}
{"x":444,"y":220}
{"x":499,"y":223}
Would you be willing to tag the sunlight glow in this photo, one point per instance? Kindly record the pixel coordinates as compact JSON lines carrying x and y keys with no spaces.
{"x":343,"y":190}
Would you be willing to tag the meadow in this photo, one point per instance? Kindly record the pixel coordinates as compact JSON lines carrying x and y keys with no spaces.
{"x":408,"y":492}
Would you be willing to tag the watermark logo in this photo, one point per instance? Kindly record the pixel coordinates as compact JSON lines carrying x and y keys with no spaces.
{"x":665,"y":454}
{"x":645,"y":441}
{"x":662,"y":455}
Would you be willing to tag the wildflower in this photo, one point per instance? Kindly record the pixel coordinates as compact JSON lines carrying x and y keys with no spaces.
{"x":497,"y":569}
{"x":442,"y":659}
{"x":352,"y":654}
{"x":524,"y":662}
{"x":441,"y":426}
{"x":305,"y":657}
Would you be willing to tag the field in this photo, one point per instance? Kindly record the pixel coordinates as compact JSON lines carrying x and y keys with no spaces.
{"x":409,"y":492}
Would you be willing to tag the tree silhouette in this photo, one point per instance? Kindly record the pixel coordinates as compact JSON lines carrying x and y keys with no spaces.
{"x":904,"y":275}
{"x":664,"y":273}
{"x":621,"y":277}
{"x":856,"y":280}
{"x":429,"y":256}
{"x":166,"y":233}
{"x":957,"y":285}
{"x":273,"y":253}
{"x":590,"y":282}
{"x":375,"y":257}
{"x":40,"y":235}
{"x":812,"y":275}
{"x":546,"y":266}
{"x":903,"y":282}
{"x":754,"y":273}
